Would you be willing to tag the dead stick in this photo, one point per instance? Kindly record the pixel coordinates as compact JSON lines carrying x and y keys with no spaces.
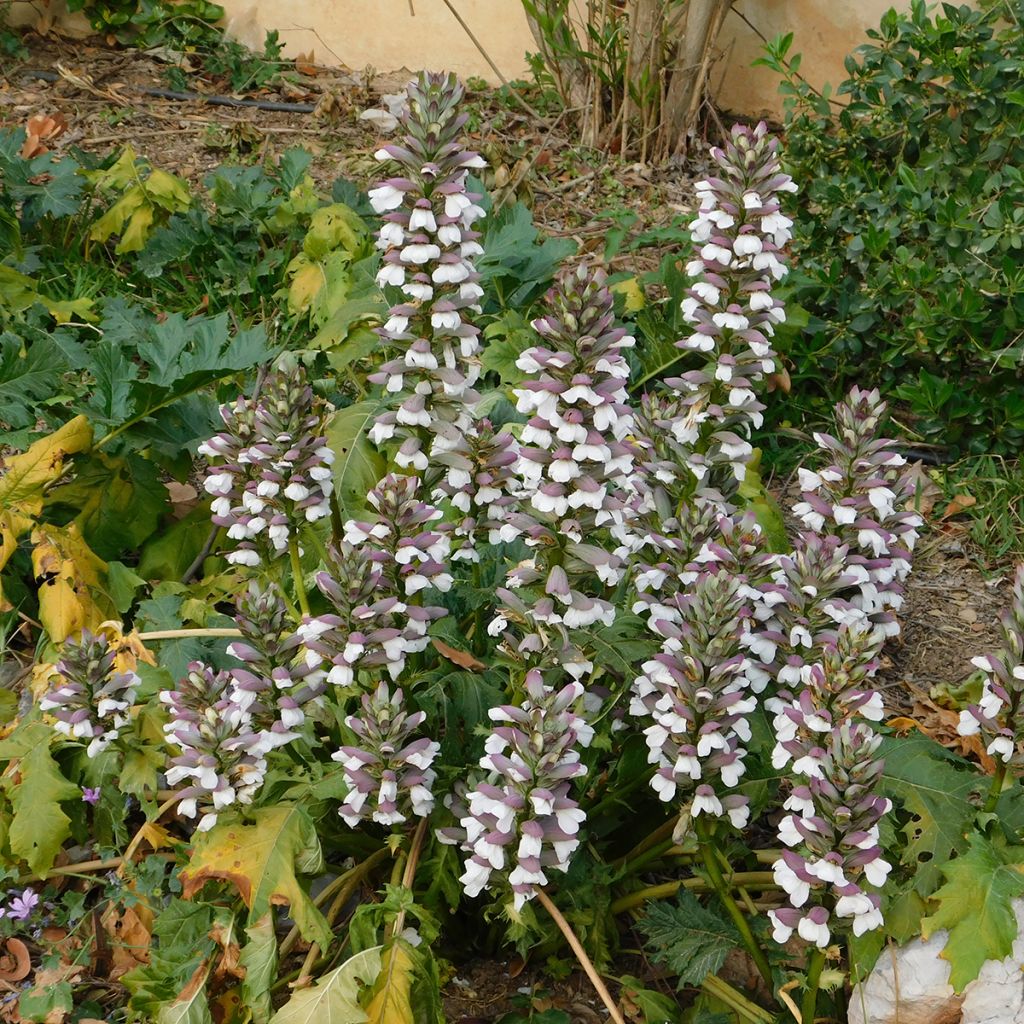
{"x":581,"y":954}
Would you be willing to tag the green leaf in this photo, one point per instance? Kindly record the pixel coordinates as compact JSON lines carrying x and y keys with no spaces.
{"x":505,"y":341}
{"x":934,"y":788}
{"x":27,"y":376}
{"x":688,"y":938}
{"x":358,"y":466}
{"x":334,"y":999}
{"x":263,"y":861}
{"x":259,"y":958}
{"x":976,"y":907}
{"x":51,"y":1002}
{"x":111,"y":401}
{"x":39,"y":825}
{"x":168,"y":555}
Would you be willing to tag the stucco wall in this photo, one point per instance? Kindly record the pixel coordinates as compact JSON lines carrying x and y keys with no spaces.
{"x":393,"y":34}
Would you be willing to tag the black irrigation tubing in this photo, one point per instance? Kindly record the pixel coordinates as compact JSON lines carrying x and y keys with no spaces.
{"x":217,"y":101}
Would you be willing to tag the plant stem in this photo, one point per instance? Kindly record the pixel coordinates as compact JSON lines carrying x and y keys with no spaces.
{"x":181,"y":634}
{"x":300,"y":586}
{"x":754,"y":879}
{"x":581,"y":954}
{"x":72,"y":869}
{"x":663,"y":831}
{"x":126,"y":858}
{"x":810,"y":1001}
{"x":736,"y":1001}
{"x":409,"y":874}
{"x":996,"y":789}
{"x":742,"y":924}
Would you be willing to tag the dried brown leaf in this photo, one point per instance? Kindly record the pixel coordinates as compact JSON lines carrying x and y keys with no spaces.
{"x":461,"y":658}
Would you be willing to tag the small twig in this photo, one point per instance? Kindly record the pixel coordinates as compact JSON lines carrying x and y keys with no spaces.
{"x":197,"y":562}
{"x":139,"y":836}
{"x":182,"y":634}
{"x":73,"y":869}
{"x":581,"y":954}
{"x":565,"y":186}
{"x":494,"y":67}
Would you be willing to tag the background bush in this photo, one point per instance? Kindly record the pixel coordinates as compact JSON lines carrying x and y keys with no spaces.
{"x":910,"y":235}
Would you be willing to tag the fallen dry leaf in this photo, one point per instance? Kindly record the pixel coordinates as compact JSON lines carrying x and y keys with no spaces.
{"x":40,"y":129}
{"x":129,"y":935}
{"x":305,"y":64}
{"x":15,"y":961}
{"x":461,"y":658}
{"x":960,"y":503}
{"x":940,"y":724}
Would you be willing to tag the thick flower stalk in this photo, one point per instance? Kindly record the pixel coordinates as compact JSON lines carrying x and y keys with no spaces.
{"x":276,"y":681}
{"x":222,"y":755}
{"x":861,"y":497}
{"x":429,"y":244}
{"x":698,"y":694}
{"x":997,"y":716}
{"x":741,"y":233}
{"x":834,"y":866}
{"x":375,"y":582}
{"x":573,"y":467}
{"x":479,"y":477}
{"x":387,"y":770}
{"x":270,"y":469}
{"x":522,"y":821}
{"x":88,"y":698}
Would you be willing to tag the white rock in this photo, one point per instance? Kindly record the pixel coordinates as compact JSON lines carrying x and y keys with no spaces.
{"x":910,"y":985}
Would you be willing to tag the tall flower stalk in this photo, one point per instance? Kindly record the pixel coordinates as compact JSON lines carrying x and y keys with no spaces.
{"x":574,"y":462}
{"x":428,"y":246}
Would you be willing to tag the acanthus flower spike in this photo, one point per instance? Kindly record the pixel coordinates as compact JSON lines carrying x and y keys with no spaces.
{"x":388,"y":771}
{"x":521,"y":821}
{"x":88,"y":698}
{"x":375,"y":583}
{"x":429,"y":246}
{"x":699,"y":694}
{"x":998,"y":716}
{"x":861,"y":497}
{"x":270,"y":469}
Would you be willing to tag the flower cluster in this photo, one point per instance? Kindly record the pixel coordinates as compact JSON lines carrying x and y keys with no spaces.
{"x":834,"y":819}
{"x":522,"y":820}
{"x":429,"y":245}
{"x":89,"y":699}
{"x":20,"y":907}
{"x":276,"y":681}
{"x":270,"y":468}
{"x":221,"y":752}
{"x":573,"y":466}
{"x":373,"y":583}
{"x":861,"y":498}
{"x":479,"y":476}
{"x":741,"y":232}
{"x":997,"y":715}
{"x":388,"y":773}
{"x":698,"y":693}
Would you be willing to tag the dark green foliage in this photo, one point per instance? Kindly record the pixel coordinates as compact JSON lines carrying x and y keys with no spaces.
{"x":909,"y":236}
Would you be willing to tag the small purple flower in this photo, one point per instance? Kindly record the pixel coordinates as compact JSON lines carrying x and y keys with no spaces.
{"x":90,"y":796}
{"x":23,"y":905}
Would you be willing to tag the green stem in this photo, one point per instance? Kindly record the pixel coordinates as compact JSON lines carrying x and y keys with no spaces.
{"x":736,"y":1001}
{"x":996,"y":789}
{"x":754,"y":879}
{"x":810,"y":1002}
{"x":663,"y":831}
{"x":742,"y":924}
{"x":300,"y":586}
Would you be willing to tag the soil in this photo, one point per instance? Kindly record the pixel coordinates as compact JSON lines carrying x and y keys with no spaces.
{"x":952,"y":606}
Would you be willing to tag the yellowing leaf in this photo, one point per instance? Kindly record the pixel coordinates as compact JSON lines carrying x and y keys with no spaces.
{"x":113,"y":221}
{"x":632,"y":294}
{"x":133,"y":238}
{"x":26,"y":475}
{"x":334,"y":227}
{"x":307,"y":279}
{"x":262,"y":861}
{"x":120,"y":174}
{"x":334,"y":999}
{"x":70,"y":576}
{"x":390,"y":1003}
{"x":168,"y":191}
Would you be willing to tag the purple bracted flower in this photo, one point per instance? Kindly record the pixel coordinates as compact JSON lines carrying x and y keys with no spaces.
{"x":374,"y":582}
{"x":740,"y":232}
{"x":88,"y":699}
{"x":834,"y":866}
{"x":997,"y":715}
{"x":698,"y":693}
{"x":222,"y":754}
{"x":388,"y":773}
{"x":574,"y":461}
{"x":429,"y":244}
{"x":861,"y":498}
{"x":522,"y":821}
{"x":270,"y":469}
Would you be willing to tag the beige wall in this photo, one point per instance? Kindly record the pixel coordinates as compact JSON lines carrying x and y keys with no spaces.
{"x":415,"y":34}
